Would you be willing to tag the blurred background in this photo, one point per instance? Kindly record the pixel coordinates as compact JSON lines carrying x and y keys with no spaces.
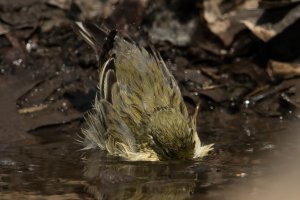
{"x":238,"y":58}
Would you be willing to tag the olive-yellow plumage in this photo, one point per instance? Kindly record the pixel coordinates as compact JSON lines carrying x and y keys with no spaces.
{"x":139,"y":113}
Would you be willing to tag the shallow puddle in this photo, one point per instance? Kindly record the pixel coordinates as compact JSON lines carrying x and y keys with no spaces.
{"x":48,"y":77}
{"x":55,"y":169}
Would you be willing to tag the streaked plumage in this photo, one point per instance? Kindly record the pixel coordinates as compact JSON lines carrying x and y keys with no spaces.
{"x":139,"y":113}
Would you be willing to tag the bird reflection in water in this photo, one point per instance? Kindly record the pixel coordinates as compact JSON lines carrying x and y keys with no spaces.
{"x":112,"y":179}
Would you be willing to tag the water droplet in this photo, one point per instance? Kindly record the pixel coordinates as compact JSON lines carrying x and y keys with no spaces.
{"x":30,"y":45}
{"x":18,"y":62}
{"x":242,"y":174}
{"x":247,"y":103}
{"x":281,"y":117}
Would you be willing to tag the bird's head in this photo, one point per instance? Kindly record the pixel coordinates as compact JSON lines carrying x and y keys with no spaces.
{"x":171,"y":135}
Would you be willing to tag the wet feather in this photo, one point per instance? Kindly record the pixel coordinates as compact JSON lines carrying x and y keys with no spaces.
{"x":140,"y":113}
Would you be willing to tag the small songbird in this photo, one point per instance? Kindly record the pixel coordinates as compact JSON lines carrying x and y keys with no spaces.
{"x":139,"y":113}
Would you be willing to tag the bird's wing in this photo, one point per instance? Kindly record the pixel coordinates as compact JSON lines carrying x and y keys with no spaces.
{"x":105,"y":128}
{"x":145,"y":80}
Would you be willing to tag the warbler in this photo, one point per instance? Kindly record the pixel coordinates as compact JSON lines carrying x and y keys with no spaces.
{"x":139,"y":113}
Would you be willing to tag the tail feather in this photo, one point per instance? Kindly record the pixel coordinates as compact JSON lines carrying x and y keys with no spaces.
{"x":98,"y":37}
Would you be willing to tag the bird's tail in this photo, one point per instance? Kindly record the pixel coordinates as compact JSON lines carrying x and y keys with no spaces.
{"x":100,"y":38}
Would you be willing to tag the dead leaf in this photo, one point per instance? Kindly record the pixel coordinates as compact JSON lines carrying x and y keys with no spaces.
{"x":226,"y":25}
{"x":283,"y":70}
{"x":267,"y":30}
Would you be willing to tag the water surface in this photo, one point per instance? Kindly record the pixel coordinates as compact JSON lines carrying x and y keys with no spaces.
{"x":54,"y":168}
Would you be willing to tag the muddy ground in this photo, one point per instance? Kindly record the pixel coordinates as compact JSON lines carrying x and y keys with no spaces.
{"x":239,"y":59}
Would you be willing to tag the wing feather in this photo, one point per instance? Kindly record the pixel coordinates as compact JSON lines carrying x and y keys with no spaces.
{"x":147,"y":77}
